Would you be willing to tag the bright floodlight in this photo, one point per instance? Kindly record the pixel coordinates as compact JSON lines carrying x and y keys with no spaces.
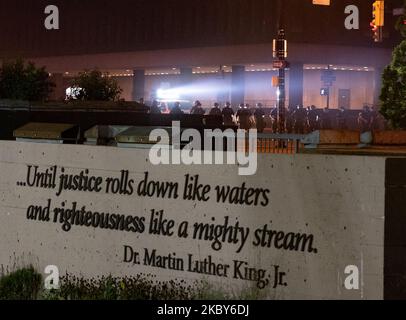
{"x":168,"y":94}
{"x":73,"y":92}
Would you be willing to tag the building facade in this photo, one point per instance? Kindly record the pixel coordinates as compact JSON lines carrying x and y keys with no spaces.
{"x":206,"y":49}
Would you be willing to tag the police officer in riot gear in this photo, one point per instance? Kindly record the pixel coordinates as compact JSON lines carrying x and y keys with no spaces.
{"x":197,"y":108}
{"x":299,"y":119}
{"x":243,"y":116}
{"x":259,"y":115}
{"x":176,"y":109}
{"x":228,"y":114}
{"x":155,"y":107}
{"x":216,"y":111}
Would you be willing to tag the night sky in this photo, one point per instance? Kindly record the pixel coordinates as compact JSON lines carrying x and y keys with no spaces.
{"x":97,"y":26}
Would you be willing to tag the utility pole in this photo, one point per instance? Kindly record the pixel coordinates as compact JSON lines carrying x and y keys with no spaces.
{"x":328,"y":79}
{"x":280,"y":53}
{"x":281,"y":63}
{"x":328,"y":92}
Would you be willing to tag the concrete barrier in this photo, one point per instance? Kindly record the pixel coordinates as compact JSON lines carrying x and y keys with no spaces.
{"x":389,"y":138}
{"x":304,"y":227}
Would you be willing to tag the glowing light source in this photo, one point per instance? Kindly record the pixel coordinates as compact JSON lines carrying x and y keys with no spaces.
{"x":321,"y":2}
{"x":73,"y":92}
{"x":168,"y":94}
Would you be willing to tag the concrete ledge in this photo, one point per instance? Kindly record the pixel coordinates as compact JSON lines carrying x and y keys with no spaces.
{"x":397,"y":138}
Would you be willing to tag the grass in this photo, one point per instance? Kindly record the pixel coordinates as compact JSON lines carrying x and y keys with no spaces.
{"x":27,"y":284}
{"x":23,"y":284}
{"x":141,"y":287}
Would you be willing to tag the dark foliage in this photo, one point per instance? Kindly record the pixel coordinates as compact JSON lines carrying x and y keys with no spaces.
{"x":140,"y":287}
{"x":96,"y":86}
{"x":24,"y":81}
{"x":23,"y":284}
{"x":393,"y":95}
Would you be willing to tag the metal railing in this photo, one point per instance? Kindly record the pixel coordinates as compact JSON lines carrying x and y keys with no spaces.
{"x":279,"y":143}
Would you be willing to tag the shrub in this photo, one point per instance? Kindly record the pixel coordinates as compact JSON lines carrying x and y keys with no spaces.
{"x":128,"y":288}
{"x":26,"y":284}
{"x":393,"y":95}
{"x":95,"y":86}
{"x":24,"y":81}
{"x":23,"y":284}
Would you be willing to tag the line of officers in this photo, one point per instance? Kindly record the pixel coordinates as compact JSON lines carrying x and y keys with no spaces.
{"x":298,"y":119}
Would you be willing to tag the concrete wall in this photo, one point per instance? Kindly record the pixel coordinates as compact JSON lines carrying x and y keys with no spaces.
{"x":336,"y":201}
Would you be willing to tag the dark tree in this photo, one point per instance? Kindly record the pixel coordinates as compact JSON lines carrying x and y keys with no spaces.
{"x":393,"y":94}
{"x":96,"y":86}
{"x":401,"y":25}
{"x":24,"y":81}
